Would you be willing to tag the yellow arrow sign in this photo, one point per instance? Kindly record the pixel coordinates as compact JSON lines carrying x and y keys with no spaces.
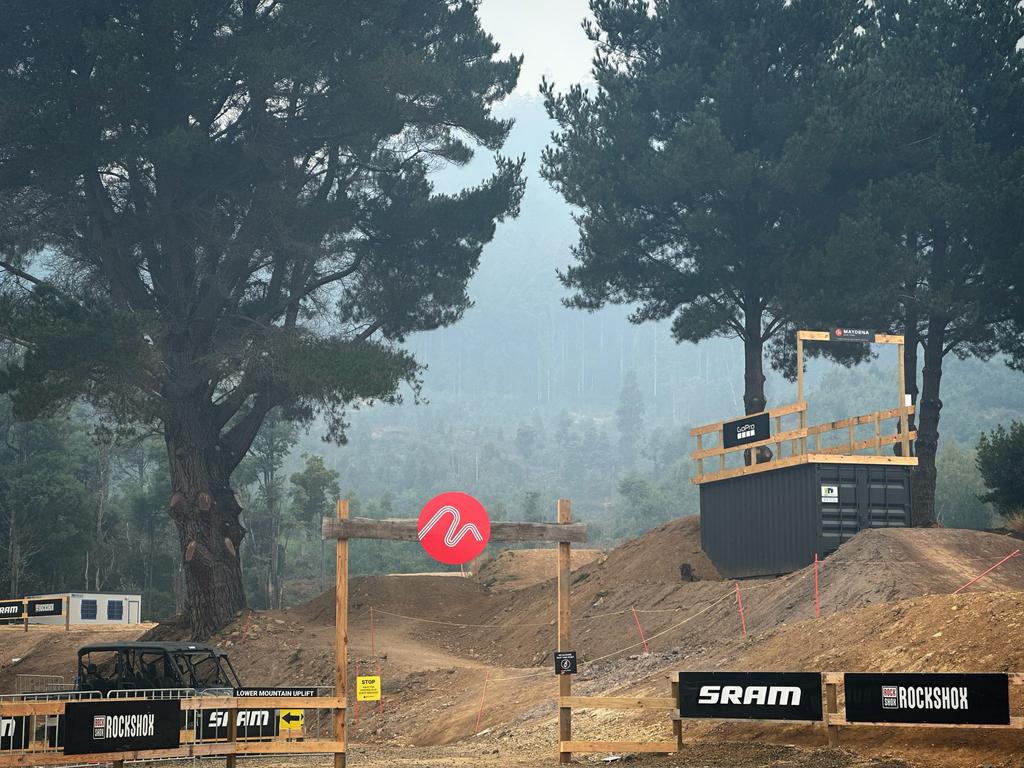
{"x":368,"y":688}
{"x":291,"y":719}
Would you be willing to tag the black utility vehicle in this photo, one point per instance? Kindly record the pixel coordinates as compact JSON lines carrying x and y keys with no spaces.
{"x":107,"y":667}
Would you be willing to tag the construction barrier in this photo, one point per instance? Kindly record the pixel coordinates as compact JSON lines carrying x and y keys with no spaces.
{"x":832,"y":700}
{"x":39,"y":729}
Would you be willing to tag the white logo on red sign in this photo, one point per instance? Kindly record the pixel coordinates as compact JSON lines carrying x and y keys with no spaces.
{"x":453,"y":528}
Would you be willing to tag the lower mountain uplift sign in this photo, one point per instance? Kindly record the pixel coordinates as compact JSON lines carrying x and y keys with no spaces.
{"x":93,"y":727}
{"x":288,"y":693}
{"x":749,"y":429}
{"x":751,"y":695}
{"x":961,"y":699}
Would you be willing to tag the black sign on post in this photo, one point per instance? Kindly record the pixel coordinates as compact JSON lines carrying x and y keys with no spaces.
{"x":852,"y":334}
{"x":12,"y":609}
{"x":13,"y":733}
{"x":751,"y":695}
{"x":97,"y":726}
{"x":749,"y":429}
{"x":49,"y":607}
{"x":565,"y":662}
{"x":961,"y":699}
{"x":290,"y":693}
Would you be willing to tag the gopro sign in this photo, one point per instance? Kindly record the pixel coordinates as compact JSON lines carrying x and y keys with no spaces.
{"x":750,"y":429}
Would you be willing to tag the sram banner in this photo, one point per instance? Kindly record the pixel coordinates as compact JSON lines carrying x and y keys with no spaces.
{"x":750,"y":695}
{"x":13,"y":733}
{"x":12,"y":609}
{"x":943,"y":698}
{"x":249,"y":724}
{"x":91,"y":727}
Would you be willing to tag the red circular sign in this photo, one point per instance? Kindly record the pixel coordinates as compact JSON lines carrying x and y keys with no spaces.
{"x":454,"y":528}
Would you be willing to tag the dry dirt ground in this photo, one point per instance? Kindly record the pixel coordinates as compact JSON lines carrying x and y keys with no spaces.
{"x":466,"y":661}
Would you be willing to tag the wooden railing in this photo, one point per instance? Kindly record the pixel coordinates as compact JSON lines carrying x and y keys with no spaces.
{"x":39,"y":718}
{"x":800,"y":444}
{"x":668,"y":704}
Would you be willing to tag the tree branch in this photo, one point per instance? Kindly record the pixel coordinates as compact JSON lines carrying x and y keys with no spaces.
{"x":21,"y":273}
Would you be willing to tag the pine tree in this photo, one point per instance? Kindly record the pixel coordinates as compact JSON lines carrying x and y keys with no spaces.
{"x":211,"y":210}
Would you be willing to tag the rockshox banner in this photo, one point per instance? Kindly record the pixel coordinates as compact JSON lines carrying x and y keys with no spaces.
{"x":91,"y":727}
{"x":751,"y":695}
{"x":749,"y":429}
{"x":961,"y":699}
{"x":48,"y":607}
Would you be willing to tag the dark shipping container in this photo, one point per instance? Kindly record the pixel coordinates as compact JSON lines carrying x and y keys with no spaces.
{"x":775,"y":521}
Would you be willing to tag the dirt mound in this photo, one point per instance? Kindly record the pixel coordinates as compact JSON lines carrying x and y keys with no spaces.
{"x":515,"y":569}
{"x":49,"y":650}
{"x":658,"y":554}
{"x":936,"y":633}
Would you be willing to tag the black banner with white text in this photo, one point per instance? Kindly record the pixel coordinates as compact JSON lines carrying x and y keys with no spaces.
{"x":750,"y":695}
{"x":942,"y":698}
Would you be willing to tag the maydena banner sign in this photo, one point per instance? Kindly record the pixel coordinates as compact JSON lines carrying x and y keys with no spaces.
{"x":938,"y":698}
{"x":750,"y":695}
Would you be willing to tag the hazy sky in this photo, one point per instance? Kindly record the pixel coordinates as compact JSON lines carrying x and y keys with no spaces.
{"x":547,"y":32}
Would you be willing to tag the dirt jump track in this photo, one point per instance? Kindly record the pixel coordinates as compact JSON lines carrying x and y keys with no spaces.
{"x":466,"y":661}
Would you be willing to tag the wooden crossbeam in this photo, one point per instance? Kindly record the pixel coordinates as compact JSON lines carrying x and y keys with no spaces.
{"x":867,"y":418}
{"x":406,"y":530}
{"x":781,"y":437}
{"x":618,"y":702}
{"x":783,"y":410}
{"x":860,"y":445}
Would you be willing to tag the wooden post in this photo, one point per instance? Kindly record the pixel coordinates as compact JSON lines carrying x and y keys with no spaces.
{"x":341,"y":636}
{"x":831,"y":708}
{"x":904,"y":428}
{"x":564,"y":637}
{"x":878,"y":434}
{"x":700,"y":447}
{"x":231,"y":759}
{"x":800,"y":388}
{"x":677,"y":723}
{"x":24,"y":608}
{"x":67,"y":613}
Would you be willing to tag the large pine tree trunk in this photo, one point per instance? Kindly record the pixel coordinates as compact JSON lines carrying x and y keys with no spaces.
{"x":205,"y":512}
{"x":754,"y":400}
{"x":928,"y":424}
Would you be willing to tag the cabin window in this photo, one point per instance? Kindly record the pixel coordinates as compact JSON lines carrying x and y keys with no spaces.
{"x":88,"y":610}
{"x":115,"y":610}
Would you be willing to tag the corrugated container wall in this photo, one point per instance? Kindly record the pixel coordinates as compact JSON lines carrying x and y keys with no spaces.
{"x":775,"y":521}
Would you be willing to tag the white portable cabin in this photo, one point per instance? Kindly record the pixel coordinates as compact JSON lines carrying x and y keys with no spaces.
{"x":94,"y":608}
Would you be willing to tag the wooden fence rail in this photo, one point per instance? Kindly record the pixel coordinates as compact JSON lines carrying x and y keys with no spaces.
{"x":40,"y":716}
